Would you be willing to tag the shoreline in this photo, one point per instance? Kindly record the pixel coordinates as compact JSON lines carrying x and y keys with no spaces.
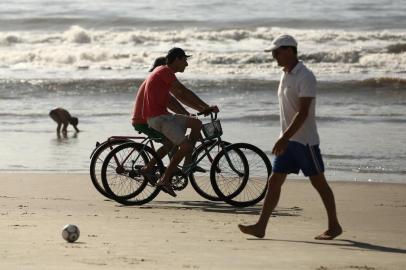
{"x":189,"y":232}
{"x":297,"y":177}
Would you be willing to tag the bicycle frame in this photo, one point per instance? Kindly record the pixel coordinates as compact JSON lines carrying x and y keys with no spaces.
{"x":193,"y":164}
{"x":144,"y":141}
{"x":213,"y":117}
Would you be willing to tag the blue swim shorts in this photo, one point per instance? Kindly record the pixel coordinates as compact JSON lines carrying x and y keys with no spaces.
{"x":298,"y":157}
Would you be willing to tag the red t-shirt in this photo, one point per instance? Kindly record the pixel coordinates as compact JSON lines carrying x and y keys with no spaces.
{"x":138,"y":105}
{"x":156,"y":94}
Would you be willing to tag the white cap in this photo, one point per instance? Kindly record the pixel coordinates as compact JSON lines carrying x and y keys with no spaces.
{"x":283,"y":40}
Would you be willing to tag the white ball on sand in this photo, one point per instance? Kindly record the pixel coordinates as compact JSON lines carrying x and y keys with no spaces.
{"x":70,"y":233}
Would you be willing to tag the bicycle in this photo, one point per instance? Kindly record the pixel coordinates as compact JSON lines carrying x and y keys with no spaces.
{"x":123,"y":179}
{"x":122,"y":187}
{"x":101,"y":151}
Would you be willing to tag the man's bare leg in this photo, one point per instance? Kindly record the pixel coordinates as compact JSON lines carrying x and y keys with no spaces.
{"x":58,"y":128}
{"x":184,"y":149}
{"x":334,"y":229}
{"x":165,"y":181}
{"x":196,"y":126}
{"x":148,"y":170}
{"x":65,"y":127}
{"x":161,"y":152}
{"x":273,"y":192}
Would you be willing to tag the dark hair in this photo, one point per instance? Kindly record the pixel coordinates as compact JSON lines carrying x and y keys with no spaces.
{"x":160,"y":61}
{"x":175,"y":53}
{"x":294,"y":49}
{"x":74,"y":121}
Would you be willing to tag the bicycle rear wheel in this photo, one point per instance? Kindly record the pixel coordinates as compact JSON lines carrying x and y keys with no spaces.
{"x":121,"y":174}
{"x":96,"y":163}
{"x":200,"y":179}
{"x":246,"y":183}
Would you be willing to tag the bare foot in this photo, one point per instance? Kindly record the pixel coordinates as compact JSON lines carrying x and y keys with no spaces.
{"x":330,"y":234}
{"x":252,"y":230}
{"x":166,"y":187}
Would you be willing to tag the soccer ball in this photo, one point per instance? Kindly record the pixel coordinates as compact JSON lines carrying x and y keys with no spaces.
{"x":70,"y":233}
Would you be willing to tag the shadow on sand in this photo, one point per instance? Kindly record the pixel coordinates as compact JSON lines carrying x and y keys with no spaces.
{"x":218,"y":207}
{"x":345,"y":244}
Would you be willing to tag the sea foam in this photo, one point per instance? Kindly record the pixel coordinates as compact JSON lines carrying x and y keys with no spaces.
{"x":222,"y":52}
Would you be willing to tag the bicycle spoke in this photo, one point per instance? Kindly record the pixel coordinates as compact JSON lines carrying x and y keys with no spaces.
{"x":243,"y":174}
{"x":121,"y":175}
{"x":204,"y":156}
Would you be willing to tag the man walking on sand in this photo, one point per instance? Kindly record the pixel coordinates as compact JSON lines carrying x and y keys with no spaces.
{"x":159,"y":86}
{"x":298,"y":146}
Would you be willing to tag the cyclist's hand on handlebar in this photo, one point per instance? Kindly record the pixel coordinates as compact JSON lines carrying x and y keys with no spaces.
{"x":214,"y":109}
{"x":211,"y":109}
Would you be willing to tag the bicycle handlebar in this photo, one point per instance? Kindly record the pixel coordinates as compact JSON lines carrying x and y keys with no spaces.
{"x":212,"y":111}
{"x":213,"y":115}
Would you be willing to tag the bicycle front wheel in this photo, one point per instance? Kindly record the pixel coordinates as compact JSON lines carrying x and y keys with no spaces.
{"x":122,"y":178}
{"x":239,"y":174}
{"x":200,"y":179}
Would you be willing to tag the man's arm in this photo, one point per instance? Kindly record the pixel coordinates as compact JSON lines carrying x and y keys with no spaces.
{"x":296,"y":124}
{"x":176,"y":107}
{"x":187,"y":97}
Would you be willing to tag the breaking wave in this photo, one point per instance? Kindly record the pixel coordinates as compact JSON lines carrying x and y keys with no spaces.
{"x":221,"y":52}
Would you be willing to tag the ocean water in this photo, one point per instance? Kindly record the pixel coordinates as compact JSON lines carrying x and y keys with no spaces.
{"x":90,"y":57}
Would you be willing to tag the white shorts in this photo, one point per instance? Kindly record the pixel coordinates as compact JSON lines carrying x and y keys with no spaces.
{"x":172,"y":126}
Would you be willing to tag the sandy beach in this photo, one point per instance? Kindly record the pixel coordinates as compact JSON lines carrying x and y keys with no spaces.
{"x":190,"y":233}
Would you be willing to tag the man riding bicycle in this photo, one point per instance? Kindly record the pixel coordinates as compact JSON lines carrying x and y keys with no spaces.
{"x":140,"y":123}
{"x":160,"y":85}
